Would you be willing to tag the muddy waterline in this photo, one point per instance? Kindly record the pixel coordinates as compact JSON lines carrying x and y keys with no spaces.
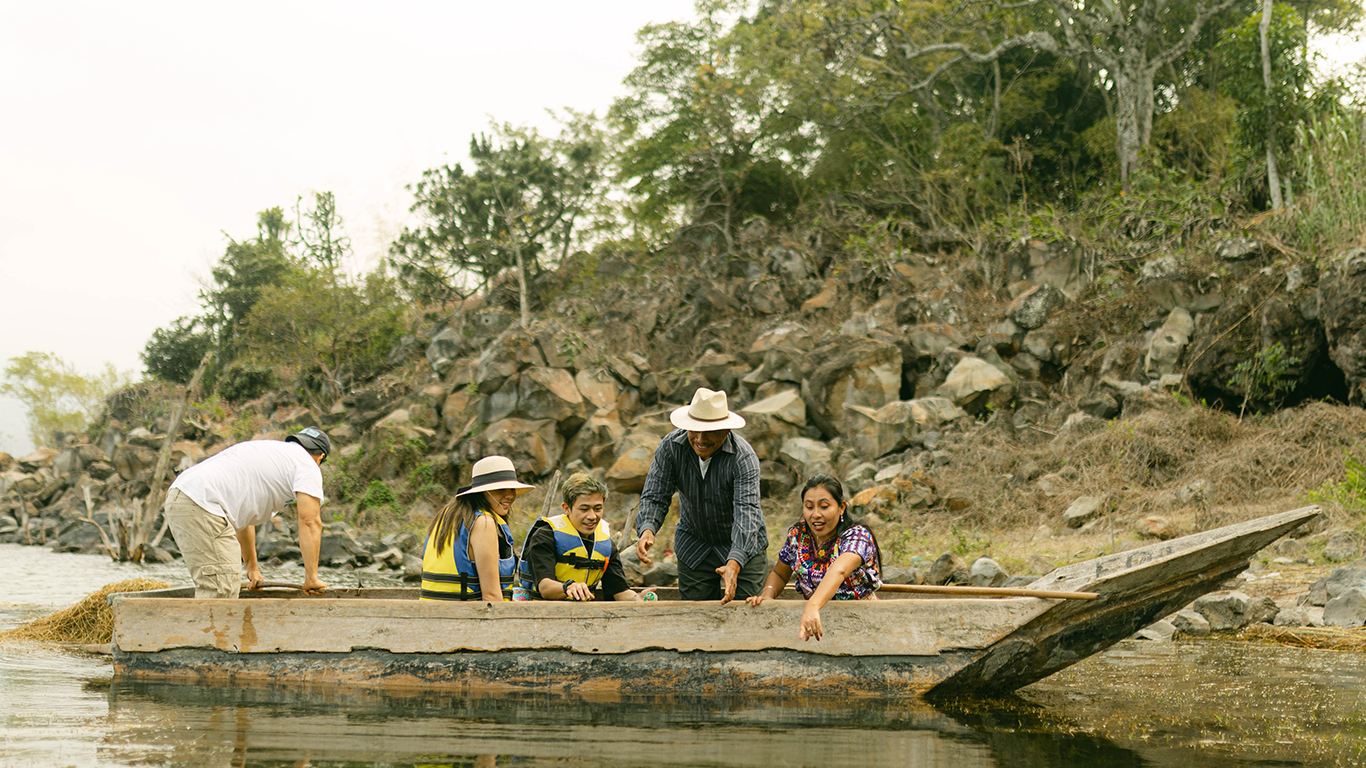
{"x":1217,"y":703}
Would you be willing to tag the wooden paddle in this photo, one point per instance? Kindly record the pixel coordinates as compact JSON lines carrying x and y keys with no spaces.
{"x":930,"y":589}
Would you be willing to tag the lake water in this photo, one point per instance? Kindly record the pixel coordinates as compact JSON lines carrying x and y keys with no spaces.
{"x":1199,"y":703}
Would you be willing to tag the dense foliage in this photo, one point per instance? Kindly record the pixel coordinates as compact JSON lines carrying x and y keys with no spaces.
{"x":876,"y":122}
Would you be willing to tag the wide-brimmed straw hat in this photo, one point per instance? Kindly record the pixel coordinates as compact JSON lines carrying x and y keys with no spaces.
{"x":493,"y":473}
{"x":706,"y":413}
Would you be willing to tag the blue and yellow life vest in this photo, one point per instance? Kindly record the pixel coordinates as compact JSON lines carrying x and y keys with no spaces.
{"x":572,"y":559}
{"x":451,"y":575}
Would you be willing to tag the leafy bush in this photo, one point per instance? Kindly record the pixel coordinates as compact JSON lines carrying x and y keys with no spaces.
{"x":1350,"y":492}
{"x":173,"y":353}
{"x":329,"y":329}
{"x":376,"y":496}
{"x":1262,"y":377}
{"x":244,"y":381}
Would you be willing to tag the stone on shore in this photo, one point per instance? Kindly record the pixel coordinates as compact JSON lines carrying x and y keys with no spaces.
{"x":1188,"y":622}
{"x":986,"y":572}
{"x":1346,"y":610}
{"x":1229,"y":611}
{"x":948,"y":568}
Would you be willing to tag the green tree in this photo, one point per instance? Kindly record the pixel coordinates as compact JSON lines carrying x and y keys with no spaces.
{"x":173,"y":353}
{"x":320,"y":236}
{"x":57,"y":397}
{"x":246,"y":269}
{"x":703,"y":131}
{"x":327,"y":328}
{"x":1267,"y":120}
{"x":524,"y":195}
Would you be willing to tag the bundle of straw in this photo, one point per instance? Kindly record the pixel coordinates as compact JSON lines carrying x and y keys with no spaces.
{"x":1325,"y":638}
{"x":89,"y":621}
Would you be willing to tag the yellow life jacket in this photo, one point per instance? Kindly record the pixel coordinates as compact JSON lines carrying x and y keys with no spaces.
{"x":572,"y":560}
{"x":451,"y":575}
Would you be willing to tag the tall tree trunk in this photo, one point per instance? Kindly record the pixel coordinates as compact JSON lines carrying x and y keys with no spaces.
{"x":995,"y":123}
{"x":1127,"y":129}
{"x":1273,"y":176}
{"x":521,"y":284}
{"x":152,"y":504}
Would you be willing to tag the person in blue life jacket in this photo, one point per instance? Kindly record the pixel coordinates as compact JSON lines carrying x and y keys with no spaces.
{"x":468,"y":554}
{"x":569,"y":555}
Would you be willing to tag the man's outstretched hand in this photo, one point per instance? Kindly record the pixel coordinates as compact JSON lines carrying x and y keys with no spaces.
{"x":730,"y":575}
{"x":643,"y":544}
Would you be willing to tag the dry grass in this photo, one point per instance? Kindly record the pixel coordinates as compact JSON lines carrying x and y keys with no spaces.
{"x":1254,"y":467}
{"x":1323,"y":638}
{"x":89,"y":621}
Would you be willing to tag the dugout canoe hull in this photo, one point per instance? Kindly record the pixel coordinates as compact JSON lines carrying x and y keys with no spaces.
{"x":897,"y":647}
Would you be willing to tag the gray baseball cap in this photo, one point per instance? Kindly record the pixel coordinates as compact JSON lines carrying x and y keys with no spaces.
{"x":313,"y":440}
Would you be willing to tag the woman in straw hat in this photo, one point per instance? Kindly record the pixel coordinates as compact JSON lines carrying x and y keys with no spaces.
{"x":469,"y":553}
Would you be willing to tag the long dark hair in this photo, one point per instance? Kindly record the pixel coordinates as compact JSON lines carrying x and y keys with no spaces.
{"x":836,"y":490}
{"x":459,"y":513}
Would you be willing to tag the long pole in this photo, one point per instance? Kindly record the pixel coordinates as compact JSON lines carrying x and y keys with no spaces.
{"x":931,"y":589}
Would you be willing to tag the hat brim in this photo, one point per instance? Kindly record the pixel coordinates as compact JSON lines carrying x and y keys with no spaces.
{"x":521,"y":488}
{"x":680,"y":418}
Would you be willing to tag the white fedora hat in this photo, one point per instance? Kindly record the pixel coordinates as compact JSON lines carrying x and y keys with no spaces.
{"x":492,"y":473}
{"x":706,"y":413}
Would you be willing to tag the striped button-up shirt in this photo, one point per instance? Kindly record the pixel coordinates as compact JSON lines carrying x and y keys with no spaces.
{"x":719,"y":518}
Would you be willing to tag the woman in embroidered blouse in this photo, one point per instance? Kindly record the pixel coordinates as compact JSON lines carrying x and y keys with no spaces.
{"x":832,"y":556}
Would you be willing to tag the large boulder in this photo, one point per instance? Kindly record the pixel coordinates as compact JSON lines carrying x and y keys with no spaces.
{"x":1083,"y":510}
{"x":973,"y":383}
{"x":550,"y":393}
{"x":460,"y":411}
{"x":806,"y":457}
{"x":787,"y":336}
{"x":985,"y":572}
{"x":1346,"y":610}
{"x":1031,"y":309}
{"x":444,"y":348}
{"x":1169,"y":287}
{"x":947,"y":568}
{"x":876,"y":432}
{"x":773,"y":421}
{"x":628,"y":471}
{"x":502,"y":359}
{"x":40,"y":458}
{"x":596,"y":441}
{"x":1164,"y":351}
{"x":132,"y":460}
{"x":535,"y":447}
{"x":856,"y":371}
{"x":1336,"y":583}
{"x":1229,"y":611}
{"x":599,"y":387}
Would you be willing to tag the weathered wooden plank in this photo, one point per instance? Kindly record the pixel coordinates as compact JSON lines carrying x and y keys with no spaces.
{"x":776,"y":672}
{"x":1135,"y":591}
{"x":264,"y":625}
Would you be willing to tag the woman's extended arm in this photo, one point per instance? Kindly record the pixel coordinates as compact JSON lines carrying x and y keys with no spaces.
{"x":773,"y":585}
{"x":484,"y":553}
{"x":839,"y":570}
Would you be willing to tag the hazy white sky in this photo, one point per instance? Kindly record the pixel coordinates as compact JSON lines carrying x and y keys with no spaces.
{"x":136,"y":134}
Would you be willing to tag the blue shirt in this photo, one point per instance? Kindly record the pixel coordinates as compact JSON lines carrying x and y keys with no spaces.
{"x":719,"y":517}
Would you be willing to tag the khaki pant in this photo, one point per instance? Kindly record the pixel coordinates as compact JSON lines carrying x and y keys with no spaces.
{"x":209,"y":545}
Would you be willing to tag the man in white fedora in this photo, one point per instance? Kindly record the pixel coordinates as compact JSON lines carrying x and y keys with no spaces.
{"x":721,"y":539}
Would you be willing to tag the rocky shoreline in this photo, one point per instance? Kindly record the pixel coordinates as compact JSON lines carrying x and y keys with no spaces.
{"x":1012,"y":418}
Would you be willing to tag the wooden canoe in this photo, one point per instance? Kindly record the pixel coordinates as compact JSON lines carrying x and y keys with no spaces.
{"x":911,"y":645}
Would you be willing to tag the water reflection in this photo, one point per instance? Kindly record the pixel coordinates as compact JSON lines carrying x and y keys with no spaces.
{"x":276,"y":726}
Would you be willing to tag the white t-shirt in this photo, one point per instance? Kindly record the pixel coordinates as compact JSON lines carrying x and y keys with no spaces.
{"x":250,"y":482}
{"x":705,"y":465}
